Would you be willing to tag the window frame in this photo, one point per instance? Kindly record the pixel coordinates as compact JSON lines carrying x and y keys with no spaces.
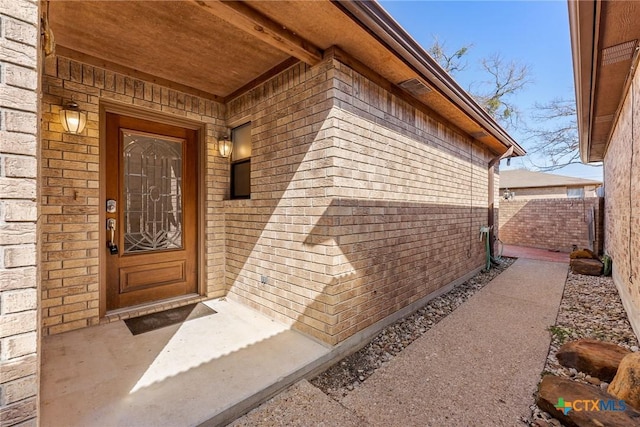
{"x":233,"y":195}
{"x":575,"y":193}
{"x":234,"y":166}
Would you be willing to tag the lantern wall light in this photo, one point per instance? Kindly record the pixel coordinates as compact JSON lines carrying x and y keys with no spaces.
{"x":225,"y":146}
{"x":73,"y":119}
{"x":508,"y":195}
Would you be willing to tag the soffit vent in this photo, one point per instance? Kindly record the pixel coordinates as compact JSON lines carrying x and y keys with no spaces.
{"x":478,"y":135}
{"x":415,"y":87}
{"x":620,"y":52}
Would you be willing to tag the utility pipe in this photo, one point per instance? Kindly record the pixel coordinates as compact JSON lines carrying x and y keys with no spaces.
{"x":490,"y":219}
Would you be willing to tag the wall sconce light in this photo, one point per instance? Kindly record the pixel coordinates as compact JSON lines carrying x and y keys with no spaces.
{"x":225,"y":146}
{"x":508,"y":195}
{"x":72,"y":118}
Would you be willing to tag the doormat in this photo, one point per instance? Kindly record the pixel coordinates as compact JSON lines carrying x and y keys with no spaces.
{"x":153,"y":321}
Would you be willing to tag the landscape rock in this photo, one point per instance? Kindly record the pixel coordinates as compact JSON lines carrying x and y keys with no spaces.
{"x":626,"y":384}
{"x":583,"y":254}
{"x":591,"y":309}
{"x":556,"y":391}
{"x":590,"y":267}
{"x":597,"y":358}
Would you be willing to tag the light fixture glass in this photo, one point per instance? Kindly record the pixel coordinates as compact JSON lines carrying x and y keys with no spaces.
{"x":225,"y":146}
{"x":72,"y":118}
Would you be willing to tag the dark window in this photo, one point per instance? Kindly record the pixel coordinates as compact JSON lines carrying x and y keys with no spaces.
{"x":241,"y":162}
{"x":241,"y":179}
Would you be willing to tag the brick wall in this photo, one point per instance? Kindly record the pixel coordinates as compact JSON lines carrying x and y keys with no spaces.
{"x":555,"y":224}
{"x":410,"y":195}
{"x":539,"y":193}
{"x":549,"y":192}
{"x":622,"y":203}
{"x":70,"y":187}
{"x":19,"y":329}
{"x":268,"y":235}
{"x":361,"y":204}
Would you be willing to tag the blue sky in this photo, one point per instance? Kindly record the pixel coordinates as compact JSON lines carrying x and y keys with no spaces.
{"x":531,"y":32}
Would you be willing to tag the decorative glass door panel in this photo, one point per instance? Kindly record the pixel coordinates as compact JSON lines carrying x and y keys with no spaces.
{"x":151,"y":241}
{"x":152,"y":192}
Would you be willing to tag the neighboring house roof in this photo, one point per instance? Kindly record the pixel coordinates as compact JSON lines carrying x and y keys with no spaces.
{"x":219,"y":50}
{"x":521,"y":178}
{"x":604,"y":39}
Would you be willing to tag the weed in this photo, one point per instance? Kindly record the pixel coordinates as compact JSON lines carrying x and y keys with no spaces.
{"x":560,"y":333}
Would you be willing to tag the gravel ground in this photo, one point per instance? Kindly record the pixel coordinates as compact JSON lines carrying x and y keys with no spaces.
{"x":349,"y":373}
{"x":590,"y":308}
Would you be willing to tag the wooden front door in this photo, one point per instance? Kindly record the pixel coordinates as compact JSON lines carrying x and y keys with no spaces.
{"x":151,"y":211}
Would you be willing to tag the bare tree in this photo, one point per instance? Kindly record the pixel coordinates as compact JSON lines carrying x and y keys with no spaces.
{"x":553,"y":130}
{"x":505,"y":79}
{"x":452,"y":63}
{"x":555,"y":135}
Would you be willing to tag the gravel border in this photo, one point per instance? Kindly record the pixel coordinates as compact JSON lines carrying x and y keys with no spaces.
{"x":350,"y":372}
{"x":590,"y":308}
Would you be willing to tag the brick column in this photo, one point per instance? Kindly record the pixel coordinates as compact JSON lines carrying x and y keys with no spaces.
{"x":19,"y":112}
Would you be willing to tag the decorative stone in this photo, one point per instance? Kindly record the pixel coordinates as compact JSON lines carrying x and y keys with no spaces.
{"x":590,"y":267}
{"x":585,"y":405}
{"x":596,"y":358}
{"x":583,"y":254}
{"x":626,"y":384}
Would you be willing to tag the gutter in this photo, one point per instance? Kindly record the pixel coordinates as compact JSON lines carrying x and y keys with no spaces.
{"x":380,"y":24}
{"x":583,"y":27}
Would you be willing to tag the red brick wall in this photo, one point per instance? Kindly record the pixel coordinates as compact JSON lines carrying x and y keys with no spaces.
{"x":555,"y":224}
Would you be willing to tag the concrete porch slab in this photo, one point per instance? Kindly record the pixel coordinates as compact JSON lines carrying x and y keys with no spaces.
{"x":199,"y":371}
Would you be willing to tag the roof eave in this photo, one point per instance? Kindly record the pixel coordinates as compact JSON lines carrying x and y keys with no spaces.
{"x":583,"y":26}
{"x":382,"y":25}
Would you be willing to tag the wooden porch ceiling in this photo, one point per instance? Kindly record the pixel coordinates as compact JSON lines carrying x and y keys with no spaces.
{"x":216,"y":48}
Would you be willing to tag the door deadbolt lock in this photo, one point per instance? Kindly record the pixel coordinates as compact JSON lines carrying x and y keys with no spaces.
{"x":111,"y":206}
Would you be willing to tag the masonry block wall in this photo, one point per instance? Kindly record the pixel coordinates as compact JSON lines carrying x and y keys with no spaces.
{"x":555,"y":224}
{"x":622,"y":203}
{"x":559,"y":192}
{"x":19,"y":323}
{"x":409,"y":197}
{"x":69,"y":199}
{"x":360,"y":203}
{"x":270,"y":235}
{"x":539,"y":193}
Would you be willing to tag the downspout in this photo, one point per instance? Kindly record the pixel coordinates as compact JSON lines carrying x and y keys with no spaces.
{"x":490,"y":218}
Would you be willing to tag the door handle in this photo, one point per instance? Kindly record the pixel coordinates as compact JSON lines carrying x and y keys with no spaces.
{"x":111,"y":226}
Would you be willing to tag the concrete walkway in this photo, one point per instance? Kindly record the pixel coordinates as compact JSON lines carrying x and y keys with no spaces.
{"x":478,"y":367}
{"x":513,"y":251}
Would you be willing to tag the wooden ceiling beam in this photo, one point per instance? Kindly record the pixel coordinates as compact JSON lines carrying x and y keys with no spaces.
{"x":245,"y":18}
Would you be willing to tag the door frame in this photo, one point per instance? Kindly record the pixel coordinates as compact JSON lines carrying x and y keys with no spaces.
{"x":107,"y":106}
